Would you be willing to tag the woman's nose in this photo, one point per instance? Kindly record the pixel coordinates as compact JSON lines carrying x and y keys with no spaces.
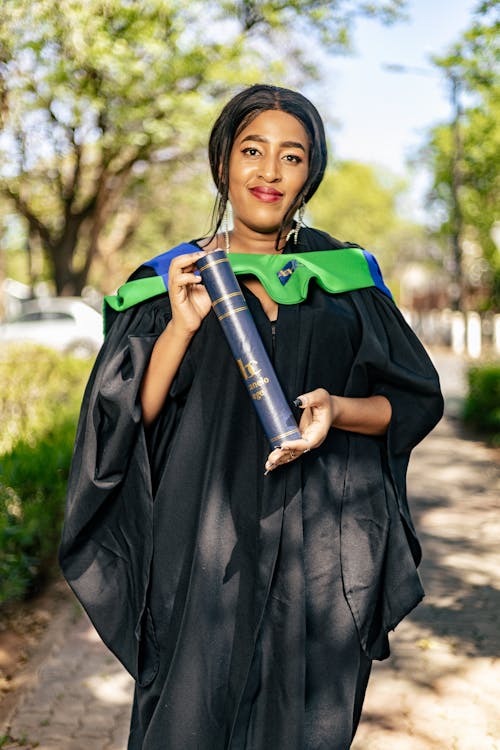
{"x":270,"y":169}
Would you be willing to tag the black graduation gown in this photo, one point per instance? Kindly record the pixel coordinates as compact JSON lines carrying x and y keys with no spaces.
{"x":214,"y":584}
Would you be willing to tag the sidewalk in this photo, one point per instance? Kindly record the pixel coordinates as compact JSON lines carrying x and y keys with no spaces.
{"x":440,"y":690}
{"x":80,"y":698}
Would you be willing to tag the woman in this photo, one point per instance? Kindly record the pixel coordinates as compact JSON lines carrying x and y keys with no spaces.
{"x":248,"y":591}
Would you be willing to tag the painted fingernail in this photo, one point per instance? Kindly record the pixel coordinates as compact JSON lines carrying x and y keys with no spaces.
{"x":297,"y":402}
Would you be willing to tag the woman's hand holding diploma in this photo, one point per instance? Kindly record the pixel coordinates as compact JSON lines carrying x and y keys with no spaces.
{"x":189,"y":299}
{"x":190,"y":303}
{"x":321,"y":412}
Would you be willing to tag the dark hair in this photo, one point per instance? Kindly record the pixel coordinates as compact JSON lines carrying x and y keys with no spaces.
{"x":238,"y":113}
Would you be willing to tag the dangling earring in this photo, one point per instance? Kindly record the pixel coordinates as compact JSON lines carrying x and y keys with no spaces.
{"x":225,"y":227}
{"x":298,"y":224}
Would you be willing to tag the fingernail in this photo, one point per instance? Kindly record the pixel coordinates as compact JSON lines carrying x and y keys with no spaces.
{"x":297,"y":402}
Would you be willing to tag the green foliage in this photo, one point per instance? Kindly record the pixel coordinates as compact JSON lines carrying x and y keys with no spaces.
{"x":479,"y":193}
{"x":39,"y":389}
{"x":482,"y":405}
{"x":471,"y":66}
{"x":39,"y":405}
{"x":358,"y":203}
{"x":354,"y":203}
{"x":168,"y":216}
{"x":95,"y":96}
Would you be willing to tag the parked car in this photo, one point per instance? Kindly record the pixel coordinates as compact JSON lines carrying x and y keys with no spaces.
{"x":64,"y":323}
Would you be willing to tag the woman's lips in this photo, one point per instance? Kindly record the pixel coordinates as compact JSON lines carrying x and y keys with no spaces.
{"x":266,"y":194}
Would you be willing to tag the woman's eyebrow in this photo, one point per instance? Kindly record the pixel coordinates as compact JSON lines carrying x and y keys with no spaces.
{"x":284,"y":144}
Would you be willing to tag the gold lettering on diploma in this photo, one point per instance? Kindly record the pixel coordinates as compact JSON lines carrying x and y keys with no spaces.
{"x":257,"y":395}
{"x":258,"y":384}
{"x":248,"y":370}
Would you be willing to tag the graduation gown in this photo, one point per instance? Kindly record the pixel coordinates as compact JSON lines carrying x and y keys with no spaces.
{"x":216,"y":586}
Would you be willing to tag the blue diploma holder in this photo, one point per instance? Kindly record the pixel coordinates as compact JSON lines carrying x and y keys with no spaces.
{"x":251,"y":357}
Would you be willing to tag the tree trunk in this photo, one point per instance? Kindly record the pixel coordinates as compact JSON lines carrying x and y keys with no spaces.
{"x":70,"y":281}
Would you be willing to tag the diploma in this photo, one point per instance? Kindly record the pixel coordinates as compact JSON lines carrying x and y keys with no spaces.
{"x":251,"y":357}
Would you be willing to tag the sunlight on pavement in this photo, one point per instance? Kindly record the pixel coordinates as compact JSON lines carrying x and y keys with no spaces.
{"x":111,"y":688}
{"x":426,"y":716}
{"x":477,"y":572}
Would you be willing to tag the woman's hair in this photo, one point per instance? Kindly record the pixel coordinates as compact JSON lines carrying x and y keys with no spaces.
{"x":238,"y":113}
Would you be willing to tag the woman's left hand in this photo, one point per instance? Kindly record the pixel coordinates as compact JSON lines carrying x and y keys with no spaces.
{"x":317,"y":418}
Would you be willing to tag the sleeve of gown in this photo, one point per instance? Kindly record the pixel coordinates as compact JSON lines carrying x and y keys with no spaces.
{"x":106,"y":545}
{"x":395,"y":364}
{"x":382,"y":583}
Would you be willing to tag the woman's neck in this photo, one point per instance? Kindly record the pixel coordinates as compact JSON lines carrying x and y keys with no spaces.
{"x":247,"y":241}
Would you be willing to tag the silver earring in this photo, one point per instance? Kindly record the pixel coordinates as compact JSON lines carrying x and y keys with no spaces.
{"x":299,"y":222}
{"x":294,"y":232}
{"x":225,"y":228}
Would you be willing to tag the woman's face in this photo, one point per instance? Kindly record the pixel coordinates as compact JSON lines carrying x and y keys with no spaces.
{"x":267,"y":168}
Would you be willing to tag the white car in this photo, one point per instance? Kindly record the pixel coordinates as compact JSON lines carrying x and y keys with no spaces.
{"x":64,"y":323}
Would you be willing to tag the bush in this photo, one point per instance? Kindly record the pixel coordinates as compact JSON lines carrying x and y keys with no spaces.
{"x":39,"y":404}
{"x":482,"y":404}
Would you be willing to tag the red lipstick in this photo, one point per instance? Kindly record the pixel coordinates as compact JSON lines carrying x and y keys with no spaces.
{"x":266,"y":194}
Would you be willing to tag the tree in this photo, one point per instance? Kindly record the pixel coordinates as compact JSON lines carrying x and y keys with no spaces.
{"x":359,"y":203}
{"x":95,"y":95}
{"x":465,"y":157}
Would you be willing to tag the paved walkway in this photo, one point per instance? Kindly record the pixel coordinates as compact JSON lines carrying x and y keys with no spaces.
{"x":439,"y":691}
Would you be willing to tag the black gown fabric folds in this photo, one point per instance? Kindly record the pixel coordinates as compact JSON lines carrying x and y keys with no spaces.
{"x":247,"y":607}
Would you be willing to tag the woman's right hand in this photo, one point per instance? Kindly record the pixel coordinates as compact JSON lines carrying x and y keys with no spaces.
{"x":189,"y":299}
{"x":190,"y":303}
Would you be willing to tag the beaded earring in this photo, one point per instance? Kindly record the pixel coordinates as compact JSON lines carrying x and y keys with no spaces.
{"x":225,"y":227}
{"x":298,"y":224}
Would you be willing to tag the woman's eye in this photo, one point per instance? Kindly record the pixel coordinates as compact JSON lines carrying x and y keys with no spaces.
{"x":293,"y":158}
{"x":250,"y":151}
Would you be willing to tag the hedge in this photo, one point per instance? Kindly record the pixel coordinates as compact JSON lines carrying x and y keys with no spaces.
{"x":482,"y":404}
{"x":39,"y":403}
